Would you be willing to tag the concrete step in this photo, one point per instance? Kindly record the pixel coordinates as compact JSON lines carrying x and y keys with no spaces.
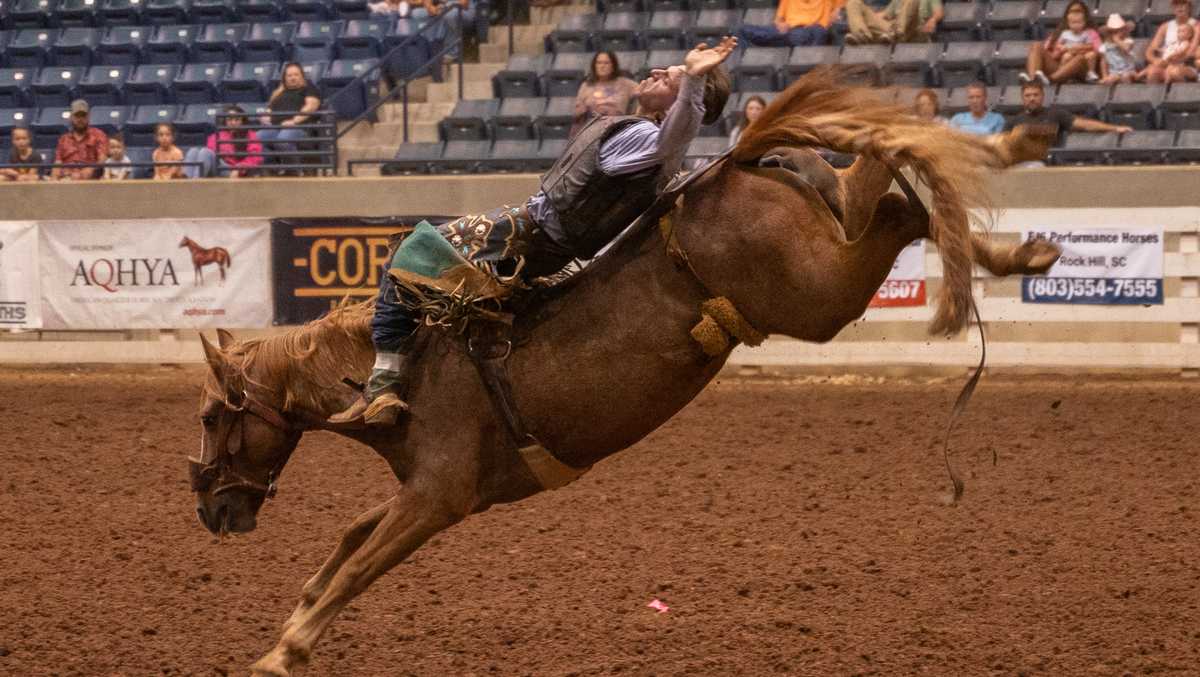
{"x":526,"y":40}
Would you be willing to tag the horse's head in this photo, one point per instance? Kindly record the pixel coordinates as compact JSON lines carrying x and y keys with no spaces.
{"x":185,"y":241}
{"x":245,"y":440}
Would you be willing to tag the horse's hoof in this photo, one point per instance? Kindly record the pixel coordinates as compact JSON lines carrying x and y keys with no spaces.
{"x":1037,"y":256}
{"x":270,"y":665}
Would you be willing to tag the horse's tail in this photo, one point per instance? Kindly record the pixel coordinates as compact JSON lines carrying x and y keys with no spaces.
{"x":820,"y":111}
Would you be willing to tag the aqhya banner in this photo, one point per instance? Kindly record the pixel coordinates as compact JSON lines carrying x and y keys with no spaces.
{"x":1099,"y":267}
{"x":20,"y":289}
{"x":156,"y":274}
{"x":319,"y":262}
{"x":905,"y":285}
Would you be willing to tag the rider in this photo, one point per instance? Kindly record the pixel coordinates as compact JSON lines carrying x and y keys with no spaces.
{"x":609,"y":174}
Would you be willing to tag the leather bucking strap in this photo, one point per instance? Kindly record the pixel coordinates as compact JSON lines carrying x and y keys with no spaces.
{"x":489,"y":345}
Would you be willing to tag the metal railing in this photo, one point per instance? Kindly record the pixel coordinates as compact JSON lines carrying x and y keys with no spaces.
{"x":50,"y":166}
{"x":320,"y":142}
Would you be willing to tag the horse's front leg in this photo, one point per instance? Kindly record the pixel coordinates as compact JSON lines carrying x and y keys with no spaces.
{"x":412,"y":517}
{"x":353,"y":538}
{"x":1028,"y":258}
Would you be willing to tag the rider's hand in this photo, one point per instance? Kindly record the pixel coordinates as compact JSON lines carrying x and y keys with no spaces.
{"x":702,"y":59}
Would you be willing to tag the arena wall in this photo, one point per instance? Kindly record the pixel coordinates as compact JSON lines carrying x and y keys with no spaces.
{"x":1021,"y":335}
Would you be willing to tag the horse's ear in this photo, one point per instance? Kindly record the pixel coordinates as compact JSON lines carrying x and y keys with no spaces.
{"x":216,"y":360}
{"x":225,"y":339}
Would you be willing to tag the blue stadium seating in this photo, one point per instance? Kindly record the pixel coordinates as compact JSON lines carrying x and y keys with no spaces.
{"x":514,"y":118}
{"x":73,"y":13}
{"x":1081,"y":99}
{"x":351,"y":9}
{"x":122,"y":45}
{"x":14,"y":86}
{"x":30,"y":47}
{"x":217,"y":43}
{"x":666,"y":30}
{"x":105,"y":85}
{"x":314,"y":72}
{"x":520,"y":76}
{"x":139,"y":127}
{"x":556,"y":120}
{"x":363,"y":39}
{"x":48,"y":125}
{"x":573,"y":33}
{"x":912,"y":65}
{"x":1012,"y":20}
{"x":632,"y":64}
{"x":1181,"y":107}
{"x":166,"y":12}
{"x":1187,"y":147}
{"x":195,"y":123}
{"x":170,"y":44}
{"x":258,"y":11}
{"x":199,"y":83}
{"x":868,"y":60}
{"x":759,"y":68}
{"x":1144,"y":147}
{"x":711,"y":25}
{"x":804,"y":59}
{"x":74,"y":46}
{"x":151,"y":84}
{"x":413,"y":158}
{"x":965,"y":62}
{"x":565,"y":73}
{"x":111,"y":119}
{"x":249,"y":82}
{"x":267,"y":42}
{"x":29,"y":14}
{"x":121,"y":12}
{"x":213,"y":11}
{"x":1085,"y":148}
{"x":350,"y":101}
{"x":1010,"y":60}
{"x":306,"y":10}
{"x":621,"y":31}
{"x":56,"y":85}
{"x":1134,"y":105}
{"x":510,"y":156}
{"x":461,"y":157}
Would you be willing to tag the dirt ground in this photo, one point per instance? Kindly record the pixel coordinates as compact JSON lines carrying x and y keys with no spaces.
{"x":792,"y":528}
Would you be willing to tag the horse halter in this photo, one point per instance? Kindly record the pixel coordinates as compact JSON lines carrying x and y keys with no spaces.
{"x":217,"y":466}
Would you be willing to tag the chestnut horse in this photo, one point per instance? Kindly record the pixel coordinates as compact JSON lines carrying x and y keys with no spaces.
{"x":610,"y":357}
{"x":202,"y":257}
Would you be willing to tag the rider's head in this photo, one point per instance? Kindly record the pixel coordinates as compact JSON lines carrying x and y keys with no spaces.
{"x":656,"y":93}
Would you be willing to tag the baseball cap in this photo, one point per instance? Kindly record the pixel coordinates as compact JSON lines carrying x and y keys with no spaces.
{"x":79,"y":106}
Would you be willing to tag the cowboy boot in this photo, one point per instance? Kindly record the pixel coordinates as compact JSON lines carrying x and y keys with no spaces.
{"x":380,"y":403}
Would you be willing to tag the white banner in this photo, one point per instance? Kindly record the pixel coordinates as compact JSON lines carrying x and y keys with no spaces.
{"x":905,"y":284}
{"x":156,"y":274}
{"x":1099,"y":267}
{"x":20,"y":296}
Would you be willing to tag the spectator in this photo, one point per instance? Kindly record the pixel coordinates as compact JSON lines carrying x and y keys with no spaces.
{"x":434,"y":8}
{"x":117,"y":167}
{"x":900,"y":21}
{"x":398,"y":8}
{"x":604,"y":92}
{"x":927,"y":106}
{"x":798,"y":23}
{"x":1173,"y":42}
{"x":22,"y":153}
{"x":1033,"y":96}
{"x":217,"y":157}
{"x":82,"y":143}
{"x":753,"y":108}
{"x":977,"y":119}
{"x":1118,"y":64}
{"x":289,"y":105}
{"x":166,"y":151}
{"x":1069,"y":54}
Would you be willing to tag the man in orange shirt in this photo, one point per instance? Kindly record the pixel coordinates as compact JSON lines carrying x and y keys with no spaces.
{"x":798,"y":23}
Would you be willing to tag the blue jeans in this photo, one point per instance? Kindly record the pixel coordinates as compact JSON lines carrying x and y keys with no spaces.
{"x":392,"y":323}
{"x":210,"y":165}
{"x":798,"y":36}
{"x":277,"y":139}
{"x":437,"y":35}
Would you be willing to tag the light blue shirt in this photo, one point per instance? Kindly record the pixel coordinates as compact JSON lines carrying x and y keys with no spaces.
{"x":991,"y":122}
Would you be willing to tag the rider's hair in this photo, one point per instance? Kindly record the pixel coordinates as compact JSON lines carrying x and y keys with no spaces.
{"x":716,"y":93}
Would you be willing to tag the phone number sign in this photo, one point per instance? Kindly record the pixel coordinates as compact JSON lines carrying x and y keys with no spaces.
{"x":1099,"y":267}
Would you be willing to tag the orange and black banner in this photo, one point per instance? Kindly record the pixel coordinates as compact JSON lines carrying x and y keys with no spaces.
{"x":318,"y":262}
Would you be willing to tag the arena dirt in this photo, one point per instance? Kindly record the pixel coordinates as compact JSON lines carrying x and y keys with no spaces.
{"x":791,"y":528}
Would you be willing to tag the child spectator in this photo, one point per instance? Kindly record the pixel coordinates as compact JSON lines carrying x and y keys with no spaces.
{"x":117,"y":166}
{"x":217,"y":158}
{"x":1118,"y":64}
{"x":22,"y":153}
{"x":1070,"y":53}
{"x":166,"y":151}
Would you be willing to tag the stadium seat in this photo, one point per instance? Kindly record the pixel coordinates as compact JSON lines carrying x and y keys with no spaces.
{"x":75,"y":13}
{"x":104,"y":85}
{"x":121,"y":12}
{"x":306,"y":10}
{"x":462,"y":157}
{"x":663,"y":58}
{"x":1131,"y":10}
{"x":548,"y":153}
{"x":1187,"y":147}
{"x":414,"y":50}
{"x":912,"y":65}
{"x":139,"y":128}
{"x":353,"y":96}
{"x":258,"y":11}
{"x":1012,"y":20}
{"x":351,"y":10}
{"x":200,"y":83}
{"x":326,"y":31}
{"x":363,"y":39}
{"x":56,"y":85}
{"x":29,"y":13}
{"x":122,"y":45}
{"x":1010,"y":60}
{"x":1050,"y":15}
{"x":110,"y":118}
{"x":514,"y":119}
{"x":151,"y":84}
{"x":195,"y":123}
{"x":1144,"y":148}
{"x":556,"y":120}
{"x":573,"y":33}
{"x":5,"y":36}
{"x":619,"y":6}
{"x":75,"y":46}
{"x":666,"y":30}
{"x":140,"y":154}
{"x":468,"y":121}
{"x":1134,"y":105}
{"x":711,"y":25}
{"x":165,"y":12}
{"x":48,"y":125}
{"x":1081,"y":99}
{"x":621,"y":32}
{"x":249,"y":82}
{"x":565,"y":74}
{"x":1181,"y":107}
{"x":213,"y":11}
{"x":1009,"y":102}
{"x":511,"y":156}
{"x":759,"y":68}
{"x":267,"y":42}
{"x":1085,"y":148}
{"x":30,"y":47}
{"x":632,"y":63}
{"x":413,"y":158}
{"x":305,"y":50}
{"x":14,"y":87}
{"x":170,"y":44}
{"x":519,"y":77}
{"x":218,"y":43}
{"x":314,"y":72}
{"x":963,"y":21}
{"x":956,"y":101}
{"x":965,"y":62}
{"x":804,"y":59}
{"x":869,"y":61}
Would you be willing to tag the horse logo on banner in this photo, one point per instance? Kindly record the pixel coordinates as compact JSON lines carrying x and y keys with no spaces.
{"x":202,"y":257}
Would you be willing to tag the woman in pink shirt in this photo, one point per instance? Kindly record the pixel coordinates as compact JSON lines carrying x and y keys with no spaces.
{"x":217,"y":156}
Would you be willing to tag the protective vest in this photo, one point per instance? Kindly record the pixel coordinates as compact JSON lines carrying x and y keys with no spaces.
{"x":592,"y":207}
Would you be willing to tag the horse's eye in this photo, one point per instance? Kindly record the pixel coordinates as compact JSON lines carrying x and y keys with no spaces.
{"x":208,"y":420}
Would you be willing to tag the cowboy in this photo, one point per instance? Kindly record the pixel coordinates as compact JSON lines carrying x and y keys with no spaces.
{"x":610,"y":173}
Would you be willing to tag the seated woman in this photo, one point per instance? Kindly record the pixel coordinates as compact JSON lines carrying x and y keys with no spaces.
{"x":1070,"y":54}
{"x":290,"y":104}
{"x":1169,"y":54}
{"x":604,"y":92}
{"x":217,"y":156}
{"x":753,"y":108}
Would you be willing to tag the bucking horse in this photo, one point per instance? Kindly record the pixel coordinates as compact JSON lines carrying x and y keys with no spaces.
{"x":610,"y":355}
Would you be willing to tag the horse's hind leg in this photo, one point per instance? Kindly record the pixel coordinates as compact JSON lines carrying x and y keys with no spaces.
{"x":412,"y":517}
{"x":352,"y":539}
{"x":1028,"y":258}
